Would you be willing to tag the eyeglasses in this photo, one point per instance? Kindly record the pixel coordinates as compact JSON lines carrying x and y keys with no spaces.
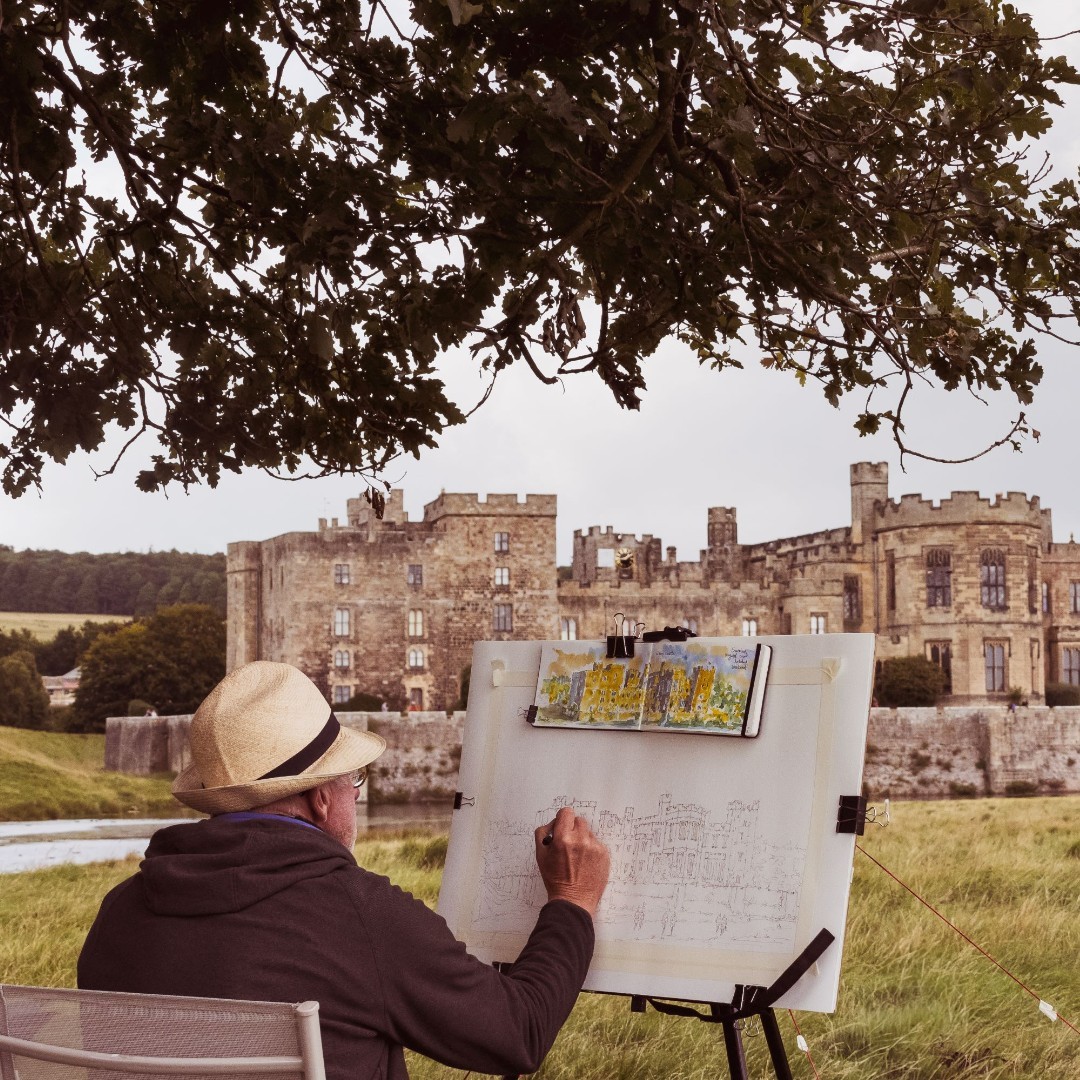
{"x":358,"y":778}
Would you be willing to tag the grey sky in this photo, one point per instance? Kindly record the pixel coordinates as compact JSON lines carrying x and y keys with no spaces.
{"x":750,"y":439}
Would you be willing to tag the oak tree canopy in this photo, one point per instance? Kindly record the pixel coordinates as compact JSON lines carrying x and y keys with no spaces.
{"x":250,"y":229}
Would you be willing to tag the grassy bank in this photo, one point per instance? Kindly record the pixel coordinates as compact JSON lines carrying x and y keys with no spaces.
{"x":916,"y":1002}
{"x":51,"y":775}
{"x":44,"y":625}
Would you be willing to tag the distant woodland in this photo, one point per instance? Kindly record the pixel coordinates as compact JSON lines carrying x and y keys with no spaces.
{"x":131,"y":583}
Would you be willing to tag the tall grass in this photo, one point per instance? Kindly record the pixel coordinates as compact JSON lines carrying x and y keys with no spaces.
{"x":916,"y":1001}
{"x":47,"y":774}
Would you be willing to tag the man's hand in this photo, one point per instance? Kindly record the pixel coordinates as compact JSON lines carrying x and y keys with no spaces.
{"x":573,"y":863}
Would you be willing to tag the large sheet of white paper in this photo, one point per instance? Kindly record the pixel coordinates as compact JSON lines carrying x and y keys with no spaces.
{"x":725,"y":857}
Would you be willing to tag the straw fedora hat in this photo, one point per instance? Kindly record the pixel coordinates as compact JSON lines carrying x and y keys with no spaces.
{"x":264,"y":732}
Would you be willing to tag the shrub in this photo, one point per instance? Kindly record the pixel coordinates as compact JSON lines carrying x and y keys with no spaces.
{"x":1021,"y":788}
{"x":1058,"y":693}
{"x":919,"y":761}
{"x":909,"y":681}
{"x":959,"y":790}
{"x":24,"y":701}
{"x":362,"y":702}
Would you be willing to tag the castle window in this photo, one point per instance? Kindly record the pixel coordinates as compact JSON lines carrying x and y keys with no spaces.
{"x":940,"y":653}
{"x":629,"y":626}
{"x":605,"y":558}
{"x":1070,"y":666}
{"x":502,"y":577}
{"x":502,"y":543}
{"x":890,"y":580}
{"x":503,"y":617}
{"x":690,"y":623}
{"x":341,"y":622}
{"x":341,"y":573}
{"x":992,"y":579}
{"x":1074,"y":597}
{"x":817,"y":623}
{"x":416,"y":659}
{"x":416,"y":622}
{"x":342,"y":694}
{"x":568,"y":629}
{"x":342,"y":660}
{"x":994,"y":662}
{"x":749,"y":628}
{"x":414,"y":575}
{"x":852,"y":599}
{"x":1046,"y":597}
{"x":939,"y":577}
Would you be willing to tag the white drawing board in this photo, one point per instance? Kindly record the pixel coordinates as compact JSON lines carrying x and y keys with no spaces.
{"x":725,"y":857}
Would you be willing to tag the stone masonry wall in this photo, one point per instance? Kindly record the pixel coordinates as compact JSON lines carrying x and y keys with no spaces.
{"x":931,"y":753}
{"x":420,"y":762}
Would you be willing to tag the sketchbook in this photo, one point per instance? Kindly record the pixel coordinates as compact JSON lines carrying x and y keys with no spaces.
{"x":726,"y":861}
{"x":713,"y":686}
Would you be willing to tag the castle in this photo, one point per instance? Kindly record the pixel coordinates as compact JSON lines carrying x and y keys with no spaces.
{"x":392,"y":607}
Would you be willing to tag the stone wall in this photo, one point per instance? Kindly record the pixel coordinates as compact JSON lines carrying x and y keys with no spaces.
{"x":420,"y":762}
{"x":911,"y":753}
{"x":965,"y":751}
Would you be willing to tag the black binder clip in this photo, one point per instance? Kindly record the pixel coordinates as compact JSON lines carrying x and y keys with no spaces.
{"x":669,"y":633}
{"x":851,"y":815}
{"x":461,"y":799}
{"x":621,"y":646}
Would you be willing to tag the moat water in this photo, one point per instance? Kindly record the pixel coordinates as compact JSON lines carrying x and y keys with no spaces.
{"x":31,"y":845}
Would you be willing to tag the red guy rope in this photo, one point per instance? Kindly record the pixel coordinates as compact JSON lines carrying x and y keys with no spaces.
{"x":798,"y":1033}
{"x":953,"y":926}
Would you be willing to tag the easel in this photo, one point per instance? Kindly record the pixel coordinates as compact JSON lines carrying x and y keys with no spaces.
{"x":749,"y":1001}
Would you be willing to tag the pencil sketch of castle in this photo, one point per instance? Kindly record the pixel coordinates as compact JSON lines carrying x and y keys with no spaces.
{"x":676,"y":875}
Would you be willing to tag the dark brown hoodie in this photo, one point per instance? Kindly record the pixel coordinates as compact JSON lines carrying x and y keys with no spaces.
{"x":272,"y":910}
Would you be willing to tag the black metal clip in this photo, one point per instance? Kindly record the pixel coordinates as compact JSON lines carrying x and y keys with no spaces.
{"x":461,"y":800}
{"x":669,"y":633}
{"x":851,"y":814}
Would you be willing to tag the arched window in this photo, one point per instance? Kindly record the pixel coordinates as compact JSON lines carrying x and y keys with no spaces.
{"x":416,"y":659}
{"x":992,"y":579}
{"x":939,"y":577}
{"x":342,"y":660}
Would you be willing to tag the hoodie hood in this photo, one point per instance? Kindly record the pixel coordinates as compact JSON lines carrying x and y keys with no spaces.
{"x":217,"y":866}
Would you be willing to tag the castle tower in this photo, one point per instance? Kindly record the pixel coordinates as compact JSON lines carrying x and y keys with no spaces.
{"x":869,"y":486}
{"x":723,"y":529}
{"x":243,"y":577}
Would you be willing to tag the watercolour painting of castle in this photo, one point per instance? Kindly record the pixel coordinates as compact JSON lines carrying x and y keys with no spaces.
{"x":703,"y":685}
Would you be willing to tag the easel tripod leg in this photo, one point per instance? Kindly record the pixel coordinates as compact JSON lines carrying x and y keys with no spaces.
{"x":736,"y":1056}
{"x":776,"y":1045}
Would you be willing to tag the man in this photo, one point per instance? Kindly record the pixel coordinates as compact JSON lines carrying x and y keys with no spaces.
{"x":265,"y":901}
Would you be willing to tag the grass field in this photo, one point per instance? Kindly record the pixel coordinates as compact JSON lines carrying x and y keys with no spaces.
{"x":916,"y":1001}
{"x":45,"y":625}
{"x":51,"y":775}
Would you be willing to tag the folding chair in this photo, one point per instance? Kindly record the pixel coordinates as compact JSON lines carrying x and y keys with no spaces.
{"x":48,"y":1034}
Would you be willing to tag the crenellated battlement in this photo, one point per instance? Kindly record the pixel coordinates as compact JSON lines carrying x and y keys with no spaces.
{"x":962,"y":508}
{"x":608,"y":535}
{"x":454,"y":504}
{"x":824,"y":541}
